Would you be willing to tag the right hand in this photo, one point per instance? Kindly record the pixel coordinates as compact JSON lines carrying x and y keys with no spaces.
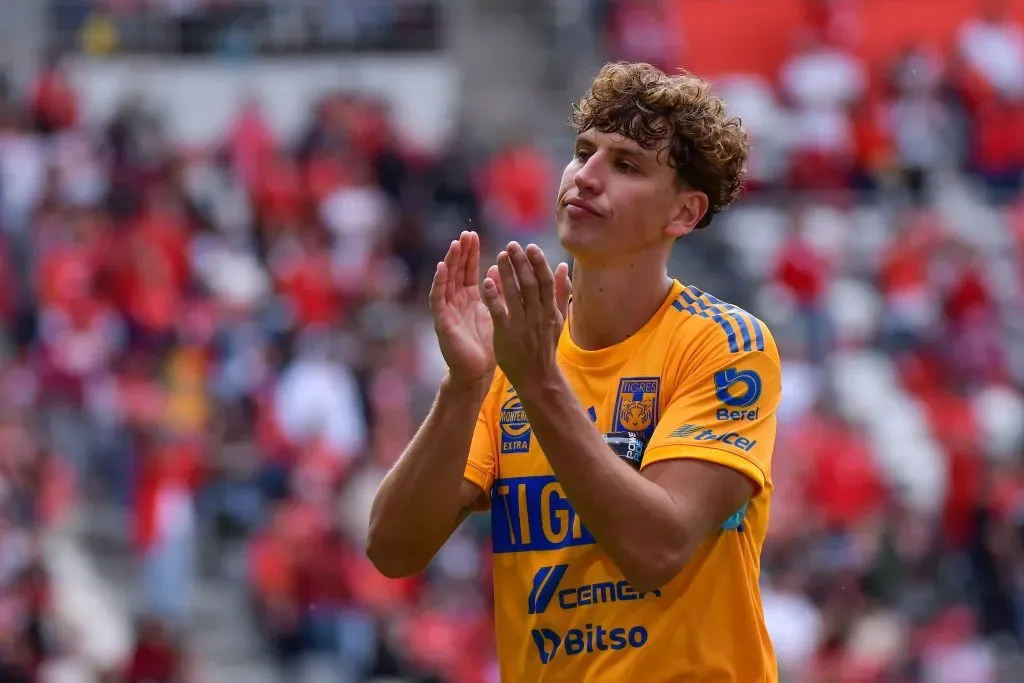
{"x":461,"y":320}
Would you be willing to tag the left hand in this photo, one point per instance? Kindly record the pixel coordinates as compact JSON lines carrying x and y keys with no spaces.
{"x":528,"y":305}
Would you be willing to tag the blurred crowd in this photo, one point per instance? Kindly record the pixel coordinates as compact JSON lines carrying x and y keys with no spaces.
{"x":882,"y":239}
{"x":230,"y":345}
{"x":227,"y":341}
{"x":243,"y":27}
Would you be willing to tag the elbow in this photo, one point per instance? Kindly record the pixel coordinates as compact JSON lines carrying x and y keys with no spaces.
{"x":654,"y":570}
{"x":393,"y":570}
{"x":392,"y":562}
{"x":648,"y":581}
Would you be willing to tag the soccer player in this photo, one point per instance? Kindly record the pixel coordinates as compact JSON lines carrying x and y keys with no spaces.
{"x":625,"y":455}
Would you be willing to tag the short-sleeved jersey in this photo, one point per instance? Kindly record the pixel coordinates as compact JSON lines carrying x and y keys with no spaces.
{"x":700,"y":380}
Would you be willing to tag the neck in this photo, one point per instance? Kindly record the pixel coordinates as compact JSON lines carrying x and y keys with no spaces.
{"x":609,"y":304}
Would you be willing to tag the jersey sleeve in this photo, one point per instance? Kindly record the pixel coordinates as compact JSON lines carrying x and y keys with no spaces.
{"x":723,"y":410}
{"x":482,"y":465}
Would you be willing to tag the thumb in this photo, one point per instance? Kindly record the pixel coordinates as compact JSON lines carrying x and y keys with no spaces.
{"x":563,"y":289}
{"x":495,"y":277}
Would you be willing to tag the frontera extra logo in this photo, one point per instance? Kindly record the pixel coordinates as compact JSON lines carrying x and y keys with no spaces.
{"x":515,"y":427}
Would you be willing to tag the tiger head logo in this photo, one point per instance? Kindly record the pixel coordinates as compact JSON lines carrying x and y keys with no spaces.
{"x":635,"y":415}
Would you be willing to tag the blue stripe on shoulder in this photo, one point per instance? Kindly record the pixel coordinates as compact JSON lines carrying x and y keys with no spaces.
{"x":729,"y":317}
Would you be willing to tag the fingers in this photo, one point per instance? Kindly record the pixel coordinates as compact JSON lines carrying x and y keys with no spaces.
{"x":563,"y":290}
{"x":494,"y":302}
{"x":450,"y":262}
{"x":469,"y":244}
{"x":461,"y":266}
{"x":510,"y":287}
{"x":437,"y":288}
{"x":541,"y":272}
{"x":494,"y":276}
{"x":457,"y":265}
{"x":529,"y":286}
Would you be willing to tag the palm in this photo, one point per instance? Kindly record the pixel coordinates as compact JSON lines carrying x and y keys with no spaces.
{"x":461,"y":320}
{"x":465,"y":333}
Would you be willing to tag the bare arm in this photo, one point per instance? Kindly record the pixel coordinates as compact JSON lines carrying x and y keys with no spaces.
{"x":425,"y":497}
{"x":679,"y":501}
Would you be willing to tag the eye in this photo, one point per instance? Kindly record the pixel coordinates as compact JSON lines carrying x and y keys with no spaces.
{"x":625,"y":167}
{"x":582,"y":155}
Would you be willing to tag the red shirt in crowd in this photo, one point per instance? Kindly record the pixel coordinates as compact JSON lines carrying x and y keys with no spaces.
{"x":803,"y":272}
{"x":54,"y":102}
{"x":517,"y":182}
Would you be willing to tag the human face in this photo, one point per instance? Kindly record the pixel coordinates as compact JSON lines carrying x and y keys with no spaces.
{"x":617,"y":198}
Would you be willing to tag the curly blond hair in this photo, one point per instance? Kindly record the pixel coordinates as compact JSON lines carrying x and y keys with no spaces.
{"x":678,"y":114}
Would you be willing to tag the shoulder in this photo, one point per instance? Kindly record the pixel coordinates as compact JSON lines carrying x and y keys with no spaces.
{"x":713,"y":346}
{"x":703,"y":326}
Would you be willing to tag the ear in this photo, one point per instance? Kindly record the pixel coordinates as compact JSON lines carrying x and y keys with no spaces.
{"x":689,"y":209}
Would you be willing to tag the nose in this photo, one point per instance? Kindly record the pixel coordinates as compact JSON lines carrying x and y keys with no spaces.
{"x":588,"y":176}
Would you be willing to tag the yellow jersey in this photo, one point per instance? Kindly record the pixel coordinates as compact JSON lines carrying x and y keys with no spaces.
{"x":701,"y":380}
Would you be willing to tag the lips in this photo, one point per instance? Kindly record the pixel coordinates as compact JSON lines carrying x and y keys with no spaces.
{"x":584,"y":206}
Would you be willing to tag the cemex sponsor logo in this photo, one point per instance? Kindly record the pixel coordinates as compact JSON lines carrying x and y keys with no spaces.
{"x":591,"y":637}
{"x":547,"y":580}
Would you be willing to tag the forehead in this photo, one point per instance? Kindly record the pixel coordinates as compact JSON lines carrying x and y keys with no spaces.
{"x":617,"y":142}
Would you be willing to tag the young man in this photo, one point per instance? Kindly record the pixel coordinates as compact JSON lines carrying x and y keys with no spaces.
{"x":626,"y":455}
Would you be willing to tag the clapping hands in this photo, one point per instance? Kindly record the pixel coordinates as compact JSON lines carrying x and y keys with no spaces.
{"x":515,"y":324}
{"x":528,"y":304}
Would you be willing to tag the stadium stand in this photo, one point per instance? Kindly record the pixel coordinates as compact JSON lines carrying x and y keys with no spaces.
{"x":212,"y":352}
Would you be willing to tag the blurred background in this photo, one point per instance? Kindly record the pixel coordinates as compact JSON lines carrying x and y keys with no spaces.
{"x":217,"y":223}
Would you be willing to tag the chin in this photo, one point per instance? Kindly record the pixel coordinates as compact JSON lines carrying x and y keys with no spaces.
{"x":568,"y":235}
{"x":578,"y":241}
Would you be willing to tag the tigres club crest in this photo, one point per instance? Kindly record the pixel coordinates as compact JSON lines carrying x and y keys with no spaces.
{"x":636,"y":409}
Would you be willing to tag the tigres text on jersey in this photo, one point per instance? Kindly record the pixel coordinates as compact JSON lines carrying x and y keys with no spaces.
{"x":700,"y":380}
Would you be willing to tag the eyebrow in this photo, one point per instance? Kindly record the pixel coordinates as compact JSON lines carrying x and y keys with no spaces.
{"x":633,"y":152}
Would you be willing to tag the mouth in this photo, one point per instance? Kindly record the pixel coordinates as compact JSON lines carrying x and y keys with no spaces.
{"x":582,"y":206}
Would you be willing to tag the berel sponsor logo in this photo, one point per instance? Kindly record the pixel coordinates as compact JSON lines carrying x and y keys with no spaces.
{"x":724,"y":414}
{"x":737,"y":388}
